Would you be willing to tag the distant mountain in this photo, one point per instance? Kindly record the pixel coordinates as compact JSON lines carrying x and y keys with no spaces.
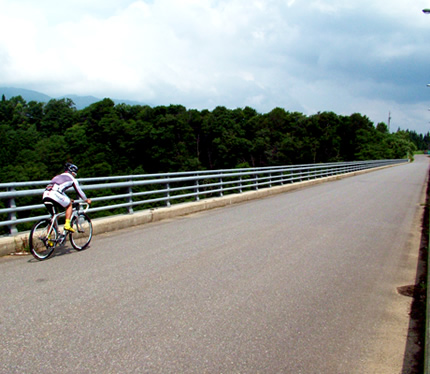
{"x":81,"y":102}
{"x":27,"y":95}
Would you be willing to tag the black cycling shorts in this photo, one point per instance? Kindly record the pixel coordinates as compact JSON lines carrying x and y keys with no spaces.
{"x":52,"y":206}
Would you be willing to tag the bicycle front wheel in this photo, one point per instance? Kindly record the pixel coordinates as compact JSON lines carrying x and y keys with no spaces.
{"x":83,"y":234}
{"x":42,"y":240}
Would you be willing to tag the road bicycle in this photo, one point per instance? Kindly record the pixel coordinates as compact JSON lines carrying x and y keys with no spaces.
{"x":45,"y":235}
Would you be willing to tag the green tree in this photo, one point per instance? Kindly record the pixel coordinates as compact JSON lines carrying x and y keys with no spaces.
{"x":108,"y":139}
{"x":58,"y":116}
{"x":52,"y":151}
{"x":383,"y":128}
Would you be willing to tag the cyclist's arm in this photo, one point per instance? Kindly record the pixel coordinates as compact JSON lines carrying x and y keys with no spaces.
{"x":79,"y":191}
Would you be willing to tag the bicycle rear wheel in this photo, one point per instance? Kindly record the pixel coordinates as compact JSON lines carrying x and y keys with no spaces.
{"x":83,"y":234}
{"x":41,"y":244}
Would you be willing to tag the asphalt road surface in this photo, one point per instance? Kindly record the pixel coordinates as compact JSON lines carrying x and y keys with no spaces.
{"x":303,"y":282}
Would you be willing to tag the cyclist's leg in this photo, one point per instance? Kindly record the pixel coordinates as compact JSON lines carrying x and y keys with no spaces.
{"x":61,"y":200}
{"x":69,"y":210}
{"x":67,"y":225}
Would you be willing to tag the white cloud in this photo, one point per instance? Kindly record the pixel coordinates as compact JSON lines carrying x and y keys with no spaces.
{"x":355,"y":56}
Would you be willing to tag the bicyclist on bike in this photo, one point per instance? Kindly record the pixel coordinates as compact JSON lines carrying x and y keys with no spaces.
{"x":55,"y":197}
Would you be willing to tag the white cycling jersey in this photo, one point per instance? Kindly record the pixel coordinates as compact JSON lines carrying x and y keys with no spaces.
{"x":55,"y":190}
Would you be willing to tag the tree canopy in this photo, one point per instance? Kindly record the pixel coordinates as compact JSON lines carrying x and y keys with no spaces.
{"x":107,"y":139}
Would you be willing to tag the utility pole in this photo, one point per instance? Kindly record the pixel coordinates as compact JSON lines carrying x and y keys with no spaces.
{"x":389,"y":121}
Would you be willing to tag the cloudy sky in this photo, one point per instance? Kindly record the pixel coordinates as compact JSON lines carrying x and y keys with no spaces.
{"x":365,"y":56}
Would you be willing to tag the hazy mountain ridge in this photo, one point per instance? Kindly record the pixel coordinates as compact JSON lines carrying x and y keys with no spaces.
{"x":81,"y":102}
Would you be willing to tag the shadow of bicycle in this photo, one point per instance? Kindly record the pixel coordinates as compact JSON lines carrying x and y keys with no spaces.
{"x":63,"y":250}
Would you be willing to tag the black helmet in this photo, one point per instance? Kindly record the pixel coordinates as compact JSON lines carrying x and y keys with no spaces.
{"x":70,"y":168}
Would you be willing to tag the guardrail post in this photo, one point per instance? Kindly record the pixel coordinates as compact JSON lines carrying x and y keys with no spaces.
{"x":197,"y":190}
{"x":12,"y":216}
{"x":130,"y":200}
{"x":220,"y":183}
{"x":168,"y":194}
{"x":240,"y":184}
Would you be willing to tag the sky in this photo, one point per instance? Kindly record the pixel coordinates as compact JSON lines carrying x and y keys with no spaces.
{"x":357,"y":56}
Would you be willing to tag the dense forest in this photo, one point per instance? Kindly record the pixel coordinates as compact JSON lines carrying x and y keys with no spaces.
{"x":107,"y":139}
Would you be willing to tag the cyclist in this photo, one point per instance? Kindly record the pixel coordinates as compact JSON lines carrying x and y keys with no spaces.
{"x":55,"y":198}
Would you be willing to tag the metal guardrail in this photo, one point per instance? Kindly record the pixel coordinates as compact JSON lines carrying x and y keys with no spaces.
{"x":138,"y":190}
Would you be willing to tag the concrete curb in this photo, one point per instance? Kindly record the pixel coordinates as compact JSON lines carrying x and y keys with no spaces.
{"x":14,"y":244}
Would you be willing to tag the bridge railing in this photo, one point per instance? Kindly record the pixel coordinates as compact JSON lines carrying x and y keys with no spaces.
{"x":22,"y":200}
